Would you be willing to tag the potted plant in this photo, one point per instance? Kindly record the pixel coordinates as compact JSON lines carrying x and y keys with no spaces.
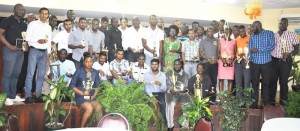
{"x":295,"y":74}
{"x":293,"y":104}
{"x":233,"y":110}
{"x":194,"y":111}
{"x":4,"y":116}
{"x":130,"y":101}
{"x":53,"y":103}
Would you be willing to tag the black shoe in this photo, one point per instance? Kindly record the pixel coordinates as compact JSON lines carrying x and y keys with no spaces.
{"x":171,"y":129}
{"x":30,"y":100}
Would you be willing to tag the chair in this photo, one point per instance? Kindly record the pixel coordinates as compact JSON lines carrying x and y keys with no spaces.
{"x":114,"y":121}
{"x":204,"y":124}
{"x":271,"y":111}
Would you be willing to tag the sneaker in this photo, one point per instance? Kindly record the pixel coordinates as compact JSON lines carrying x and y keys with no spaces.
{"x":19,"y":99}
{"x":9,"y":102}
{"x":30,"y":100}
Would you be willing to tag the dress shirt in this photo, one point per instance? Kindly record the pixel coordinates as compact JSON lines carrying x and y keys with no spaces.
{"x":119,"y":68}
{"x":98,"y":40}
{"x":114,"y":39}
{"x":138,"y":73}
{"x":38,"y":30}
{"x":190,"y":50}
{"x":151,"y":87}
{"x":289,"y":38}
{"x":61,"y":39}
{"x":75,"y":38}
{"x":65,"y":67}
{"x":132,"y":38}
{"x":104,"y":68}
{"x":153,"y":37}
{"x":264,"y":42}
{"x":122,"y":31}
{"x":210,"y":48}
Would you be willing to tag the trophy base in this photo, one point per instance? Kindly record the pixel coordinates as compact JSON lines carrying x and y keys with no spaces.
{"x":87,"y":97}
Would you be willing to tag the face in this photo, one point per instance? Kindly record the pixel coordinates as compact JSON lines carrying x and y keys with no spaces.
{"x":115,"y":23}
{"x":283,"y":25}
{"x":154,"y":66}
{"x":249,"y":30}
{"x":124,"y":23}
{"x":30,"y":18}
{"x":88,"y":63}
{"x":255,"y":28}
{"x":95,"y":25}
{"x":172,"y":32}
{"x":136,"y":22}
{"x":215,"y":25}
{"x":53,"y":22}
{"x":235,"y":31}
{"x":153,"y":21}
{"x":191,"y":35}
{"x":177,"y":66}
{"x":227,"y":32}
{"x":195,"y":25}
{"x":102,"y":59}
{"x":200,"y":69}
{"x":44,"y":15}
{"x":82,"y":24}
{"x":120,"y":55}
{"x":200,"y":31}
{"x":242,"y":32}
{"x":141,"y":60}
{"x":210,"y":33}
{"x":160,"y":23}
{"x":104,"y":24}
{"x":221,"y":24}
{"x":68,"y":25}
{"x":62,"y":56}
{"x":71,"y":15}
{"x":19,"y":11}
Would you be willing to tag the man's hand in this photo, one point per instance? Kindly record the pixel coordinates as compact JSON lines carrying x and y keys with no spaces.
{"x":172,"y":91}
{"x":254,"y":50}
{"x":285,"y":55}
{"x":109,"y":77}
{"x":223,"y":60}
{"x":13,"y":48}
{"x":26,"y":47}
{"x":130,"y":74}
{"x":81,"y":46}
{"x":48,"y":57}
{"x":41,"y":41}
{"x":157,"y":83}
{"x":68,"y":74}
{"x":101,"y":72}
{"x":51,"y":75}
{"x":241,"y":55}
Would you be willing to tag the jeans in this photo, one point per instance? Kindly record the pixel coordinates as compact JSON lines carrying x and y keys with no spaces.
{"x":37,"y":59}
{"x":265,"y":71}
{"x":190,"y":68}
{"x":280,"y":70}
{"x":12,"y":65}
{"x":242,"y":75}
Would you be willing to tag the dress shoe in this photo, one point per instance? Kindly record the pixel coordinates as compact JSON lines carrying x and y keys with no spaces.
{"x":171,"y":129}
{"x":30,"y":100}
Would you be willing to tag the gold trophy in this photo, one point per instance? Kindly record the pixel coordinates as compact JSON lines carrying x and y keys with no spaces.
{"x":198,"y":87}
{"x":246,"y":57}
{"x":88,"y":84}
{"x":21,"y":43}
{"x":240,"y":51}
{"x":154,"y":48}
{"x":173,"y":80}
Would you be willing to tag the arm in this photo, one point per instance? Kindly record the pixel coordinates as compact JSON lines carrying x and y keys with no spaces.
{"x":144,"y":42}
{"x":73,"y":85}
{"x":5,"y":42}
{"x":183,"y":53}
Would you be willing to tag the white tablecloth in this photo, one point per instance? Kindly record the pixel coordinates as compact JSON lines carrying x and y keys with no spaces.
{"x":281,"y":124}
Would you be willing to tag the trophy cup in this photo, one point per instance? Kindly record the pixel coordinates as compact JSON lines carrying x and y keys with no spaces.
{"x":21,"y":43}
{"x":239,"y":59}
{"x":154,"y":48}
{"x":283,"y":49}
{"x":246,"y":57}
{"x":173,"y":80}
{"x":46,"y":38}
{"x":88,"y":84}
{"x":198,"y":87}
{"x":82,"y":42}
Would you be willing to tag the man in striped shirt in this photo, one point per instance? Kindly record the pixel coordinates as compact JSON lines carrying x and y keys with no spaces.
{"x":261,"y":44}
{"x":286,"y":44}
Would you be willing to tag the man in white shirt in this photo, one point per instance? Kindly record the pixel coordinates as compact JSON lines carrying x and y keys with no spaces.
{"x":61,"y":39}
{"x":38,"y":36}
{"x":139,"y":68}
{"x":132,"y":42}
{"x":102,"y":65}
{"x":152,"y":40}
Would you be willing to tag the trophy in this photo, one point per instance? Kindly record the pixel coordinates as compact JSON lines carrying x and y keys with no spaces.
{"x":283,"y":49}
{"x":154,"y":48}
{"x":239,"y":59}
{"x":88,"y":84}
{"x":52,"y":71}
{"x":82,"y":42}
{"x":246,"y":57}
{"x":46,"y":39}
{"x":21,"y":43}
{"x":173,"y":80}
{"x":198,"y":87}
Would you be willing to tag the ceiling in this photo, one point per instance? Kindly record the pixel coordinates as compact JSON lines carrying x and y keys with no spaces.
{"x":267,"y":4}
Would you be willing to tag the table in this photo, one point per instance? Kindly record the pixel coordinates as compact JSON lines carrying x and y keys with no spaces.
{"x":281,"y":124}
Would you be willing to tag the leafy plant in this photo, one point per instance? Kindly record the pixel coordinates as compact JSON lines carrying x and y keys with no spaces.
{"x":132,"y":102}
{"x":194,"y":111}
{"x":233,"y":110}
{"x":295,"y":72}
{"x":53,"y":102}
{"x":293,"y":104}
{"x":3,"y":114}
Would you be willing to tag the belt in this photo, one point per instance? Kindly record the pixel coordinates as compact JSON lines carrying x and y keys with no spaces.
{"x":38,"y":49}
{"x":280,"y":59}
{"x":192,"y":61}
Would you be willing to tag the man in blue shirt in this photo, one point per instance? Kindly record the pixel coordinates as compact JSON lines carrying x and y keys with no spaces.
{"x":156,"y":85}
{"x":260,"y":45}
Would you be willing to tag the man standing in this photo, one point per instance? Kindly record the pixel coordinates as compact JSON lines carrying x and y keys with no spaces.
{"x":30,"y":17}
{"x":97,"y":38}
{"x":132,"y":40}
{"x":53,"y":24}
{"x":156,"y":85}
{"x":235,"y":32}
{"x":152,"y":40}
{"x":260,"y":45}
{"x":39,"y":37}
{"x":71,"y":16}
{"x":177,"y":91}
{"x":114,"y":39}
{"x":103,"y":67}
{"x":11,"y":29}
{"x":79,"y":40}
{"x":286,"y":45}
{"x":140,"y":68}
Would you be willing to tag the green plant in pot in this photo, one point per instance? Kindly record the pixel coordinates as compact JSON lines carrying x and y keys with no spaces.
{"x":53,"y":103}
{"x":4,"y":116}
{"x":233,"y":110}
{"x":295,"y":74}
{"x":130,"y":101}
{"x":292,"y":105}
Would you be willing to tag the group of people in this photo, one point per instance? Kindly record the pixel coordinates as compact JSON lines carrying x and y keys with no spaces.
{"x":170,"y":62}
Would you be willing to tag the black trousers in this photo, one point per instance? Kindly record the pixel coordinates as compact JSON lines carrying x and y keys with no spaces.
{"x":280,"y":70}
{"x":212,"y":71}
{"x":265,"y":71}
{"x":131,"y":56}
{"x":160,"y":97}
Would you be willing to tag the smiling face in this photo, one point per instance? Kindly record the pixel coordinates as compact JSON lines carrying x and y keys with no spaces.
{"x":19,"y":11}
{"x":154,"y":66}
{"x":44,"y":14}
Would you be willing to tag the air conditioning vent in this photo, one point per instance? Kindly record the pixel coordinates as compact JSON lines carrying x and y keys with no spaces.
{"x":292,"y":18}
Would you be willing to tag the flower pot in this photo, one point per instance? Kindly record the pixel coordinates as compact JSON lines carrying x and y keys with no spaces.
{"x":49,"y":127}
{"x":296,"y":88}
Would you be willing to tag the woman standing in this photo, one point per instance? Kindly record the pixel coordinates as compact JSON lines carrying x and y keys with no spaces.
{"x":172,"y":48}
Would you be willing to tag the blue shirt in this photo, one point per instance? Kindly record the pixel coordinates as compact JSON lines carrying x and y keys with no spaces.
{"x":80,"y":37}
{"x":151,"y":87}
{"x":265,"y":43}
{"x":77,"y":81}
